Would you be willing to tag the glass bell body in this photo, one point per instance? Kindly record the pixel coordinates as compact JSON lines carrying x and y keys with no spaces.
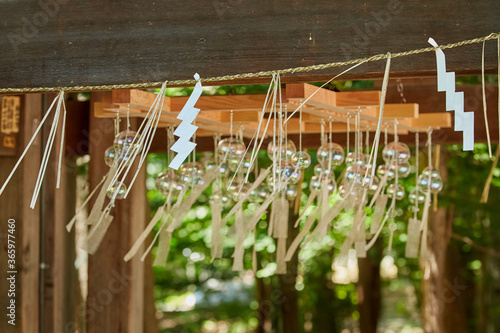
{"x":396,"y":189}
{"x":231,"y":146}
{"x":281,"y":152}
{"x":396,"y":151}
{"x":117,"y":189}
{"x":126,"y":144}
{"x":330,"y":154}
{"x":301,"y":159}
{"x":432,"y":175}
{"x":168,"y":181}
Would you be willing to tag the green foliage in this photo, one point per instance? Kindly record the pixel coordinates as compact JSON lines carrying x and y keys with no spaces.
{"x":226,"y":300}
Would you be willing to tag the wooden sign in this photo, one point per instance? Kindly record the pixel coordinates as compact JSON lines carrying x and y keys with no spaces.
{"x":10,"y":112}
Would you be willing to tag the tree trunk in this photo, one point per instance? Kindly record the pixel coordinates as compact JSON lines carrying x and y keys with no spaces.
{"x":324,"y":319}
{"x":265,"y":304}
{"x":455,"y":294}
{"x":368,"y":289}
{"x":288,"y":294}
{"x":435,"y":293}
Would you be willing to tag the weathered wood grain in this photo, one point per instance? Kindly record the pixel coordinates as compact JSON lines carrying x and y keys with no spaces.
{"x":14,"y":203}
{"x":68,"y":43}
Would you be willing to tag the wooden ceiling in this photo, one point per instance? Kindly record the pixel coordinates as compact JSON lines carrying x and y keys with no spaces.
{"x":322,"y":105}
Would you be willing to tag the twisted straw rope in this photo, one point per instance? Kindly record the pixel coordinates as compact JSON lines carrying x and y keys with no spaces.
{"x":249,"y":75}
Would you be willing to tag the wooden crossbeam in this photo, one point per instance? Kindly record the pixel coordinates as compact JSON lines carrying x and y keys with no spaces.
{"x":217,"y":112}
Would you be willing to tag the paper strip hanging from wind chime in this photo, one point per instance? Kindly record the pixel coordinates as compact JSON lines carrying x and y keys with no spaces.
{"x":464,"y":121}
{"x":183,"y":147}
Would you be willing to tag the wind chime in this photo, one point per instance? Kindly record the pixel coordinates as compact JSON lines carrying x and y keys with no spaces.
{"x":232,"y":172}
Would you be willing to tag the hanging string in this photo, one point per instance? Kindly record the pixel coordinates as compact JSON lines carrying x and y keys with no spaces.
{"x":356,"y":134}
{"x":385,"y":83}
{"x":29,"y":144}
{"x":360,"y":141}
{"x":117,"y":123}
{"x":61,"y":147}
{"x":484,"y":103}
{"x":319,"y":89}
{"x":417,"y":152}
{"x":385,"y":135}
{"x":128,"y":117}
{"x":231,"y":124}
{"x":323,"y":139}
{"x":48,"y":149}
{"x":273,"y":114}
{"x":286,"y":125}
{"x":281,"y":127}
{"x":348,"y":132}
{"x":367,"y":140}
{"x":300,"y":129}
{"x":330,"y":134}
{"x":486,"y":189}
{"x":395,"y":159}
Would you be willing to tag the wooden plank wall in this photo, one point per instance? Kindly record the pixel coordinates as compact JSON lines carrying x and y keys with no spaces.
{"x":14,"y":203}
{"x":58,"y":274}
{"x":116,"y":299}
{"x":69,"y":43}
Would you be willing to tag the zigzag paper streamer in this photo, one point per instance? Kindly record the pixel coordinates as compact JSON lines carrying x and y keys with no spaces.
{"x":464,"y":121}
{"x":183,"y":147}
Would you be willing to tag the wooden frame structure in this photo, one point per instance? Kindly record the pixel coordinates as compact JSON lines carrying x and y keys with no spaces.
{"x":53,"y":43}
{"x":244,"y":111}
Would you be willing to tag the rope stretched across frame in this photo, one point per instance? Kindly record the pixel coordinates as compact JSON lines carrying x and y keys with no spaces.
{"x":248,"y":75}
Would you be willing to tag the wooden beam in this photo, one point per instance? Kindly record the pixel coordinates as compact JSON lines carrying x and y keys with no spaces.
{"x":54,"y":42}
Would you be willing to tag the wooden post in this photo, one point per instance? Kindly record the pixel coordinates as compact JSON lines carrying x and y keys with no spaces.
{"x":288,"y":299}
{"x":368,"y":289}
{"x":14,"y":203}
{"x":115,"y":301}
{"x":59,"y":276}
{"x":433,"y":284}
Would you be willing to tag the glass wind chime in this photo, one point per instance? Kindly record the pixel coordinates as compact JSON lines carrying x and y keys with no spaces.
{"x":234,"y":163}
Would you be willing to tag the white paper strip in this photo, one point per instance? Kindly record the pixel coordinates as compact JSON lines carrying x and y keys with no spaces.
{"x":142,"y":237}
{"x":360,"y":232}
{"x":180,"y":213}
{"x":183,"y":147}
{"x":262,"y":176}
{"x":97,"y":209}
{"x":97,"y":233}
{"x":464,"y":121}
{"x":71,"y":223}
{"x":412,"y":243}
{"x":378,"y":212}
{"x":303,"y":233}
{"x":280,"y":256}
{"x":239,"y":250}
{"x":163,"y":248}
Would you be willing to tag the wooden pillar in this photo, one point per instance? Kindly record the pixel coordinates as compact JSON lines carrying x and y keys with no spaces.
{"x":58,"y":275}
{"x":288,"y":296}
{"x":434,"y":290}
{"x":115,"y":301}
{"x":368,"y":288}
{"x":14,"y":204}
